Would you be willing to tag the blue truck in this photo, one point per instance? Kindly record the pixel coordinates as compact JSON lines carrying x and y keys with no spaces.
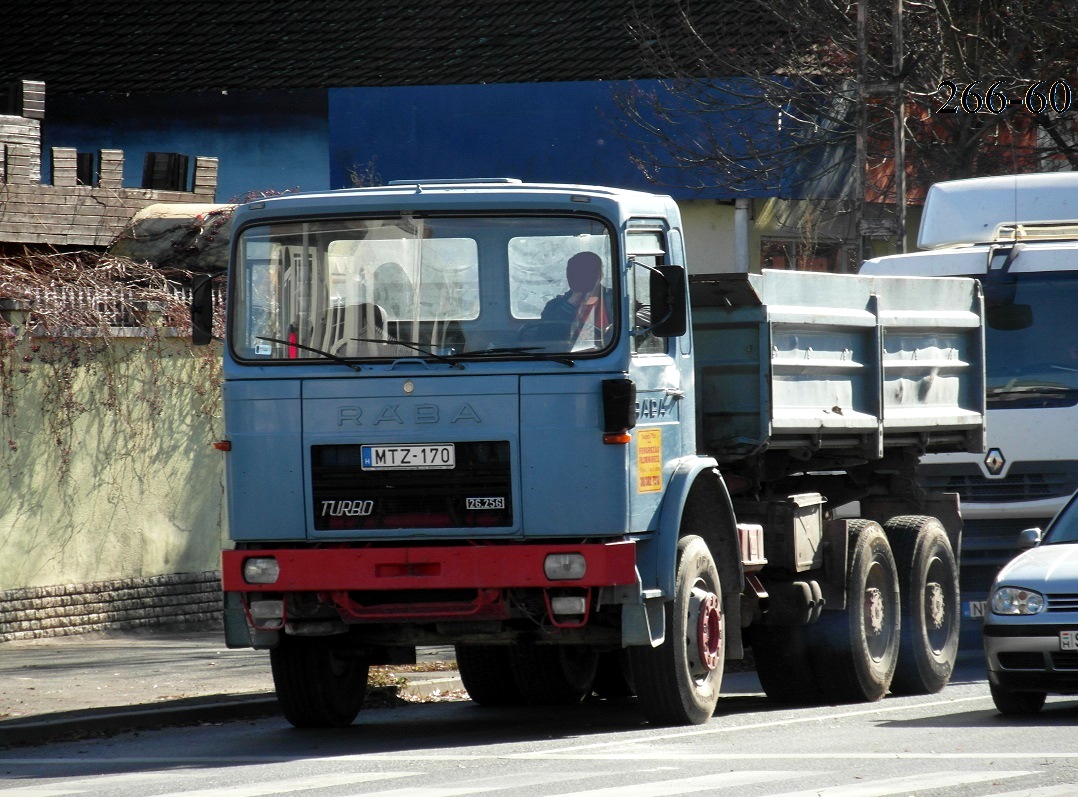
{"x":503,"y":416}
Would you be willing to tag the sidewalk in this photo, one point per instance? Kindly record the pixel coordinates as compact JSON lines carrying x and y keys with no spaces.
{"x":70,"y":686}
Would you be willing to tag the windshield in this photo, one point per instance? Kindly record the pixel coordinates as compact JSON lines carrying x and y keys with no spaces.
{"x":1065,"y":526}
{"x":1031,"y":340}
{"x":422,"y":287}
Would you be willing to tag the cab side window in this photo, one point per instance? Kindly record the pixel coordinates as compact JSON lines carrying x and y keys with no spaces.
{"x":645,"y":249}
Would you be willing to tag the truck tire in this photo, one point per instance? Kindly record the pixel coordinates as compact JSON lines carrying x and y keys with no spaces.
{"x":678,"y":682}
{"x":320,"y":683}
{"x":928,"y":578}
{"x":855,"y":650}
{"x":487,"y":675}
{"x":553,"y":675}
{"x":783,"y":664}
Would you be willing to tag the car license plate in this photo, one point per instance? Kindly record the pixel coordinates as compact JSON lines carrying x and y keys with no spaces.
{"x":974,"y":609}
{"x":441,"y":456}
{"x":1068,"y":640}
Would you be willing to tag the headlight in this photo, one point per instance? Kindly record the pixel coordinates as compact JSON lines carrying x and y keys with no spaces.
{"x":261,"y":570}
{"x":564,"y":566}
{"x":1015,"y":600}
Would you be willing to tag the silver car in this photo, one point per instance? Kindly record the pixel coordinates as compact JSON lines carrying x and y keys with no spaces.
{"x":1031,"y":621}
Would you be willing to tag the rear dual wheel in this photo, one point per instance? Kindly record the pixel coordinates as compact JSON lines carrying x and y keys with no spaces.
{"x":855,"y":651}
{"x":928,"y":574}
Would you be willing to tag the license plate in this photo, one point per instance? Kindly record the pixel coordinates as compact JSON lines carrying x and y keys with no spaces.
{"x":442,"y":456}
{"x":1068,"y":640}
{"x":974,"y":608}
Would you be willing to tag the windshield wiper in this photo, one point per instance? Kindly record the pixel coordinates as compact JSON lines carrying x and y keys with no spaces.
{"x":331,"y":356}
{"x":413,"y":346}
{"x":1019,"y":392}
{"x":535,"y":352}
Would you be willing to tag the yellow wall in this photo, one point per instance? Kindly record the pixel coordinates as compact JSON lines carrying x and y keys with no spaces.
{"x":107,"y":454}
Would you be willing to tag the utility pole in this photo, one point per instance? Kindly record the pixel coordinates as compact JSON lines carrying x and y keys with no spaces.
{"x":861,"y":153}
{"x":898,"y":61}
{"x":875,"y":228}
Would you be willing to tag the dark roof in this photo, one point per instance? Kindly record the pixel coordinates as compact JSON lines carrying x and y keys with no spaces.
{"x":120,"y":46}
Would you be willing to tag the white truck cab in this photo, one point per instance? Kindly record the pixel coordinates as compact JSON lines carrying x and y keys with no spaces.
{"x":1019,"y":235}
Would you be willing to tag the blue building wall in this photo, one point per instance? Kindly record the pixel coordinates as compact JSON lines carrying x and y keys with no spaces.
{"x":315,"y":140}
{"x":272,"y":141}
{"x":554,"y":132}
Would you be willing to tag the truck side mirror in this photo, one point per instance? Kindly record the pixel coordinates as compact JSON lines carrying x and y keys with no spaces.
{"x":669,"y":312}
{"x":202,"y":310}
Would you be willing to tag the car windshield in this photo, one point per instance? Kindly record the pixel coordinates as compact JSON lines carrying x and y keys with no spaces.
{"x":1065,"y":527}
{"x":1031,"y":340}
{"x":377,"y":289}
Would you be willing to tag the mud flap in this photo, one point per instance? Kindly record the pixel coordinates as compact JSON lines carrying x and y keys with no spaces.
{"x":238,"y":634}
{"x":643,"y":623}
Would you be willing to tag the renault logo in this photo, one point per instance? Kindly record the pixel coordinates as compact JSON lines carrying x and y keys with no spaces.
{"x":994,"y":461}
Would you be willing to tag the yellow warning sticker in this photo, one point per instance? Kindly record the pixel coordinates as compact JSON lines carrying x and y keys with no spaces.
{"x":649,"y":460}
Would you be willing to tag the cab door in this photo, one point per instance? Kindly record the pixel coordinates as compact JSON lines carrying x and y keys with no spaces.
{"x":656,"y":369}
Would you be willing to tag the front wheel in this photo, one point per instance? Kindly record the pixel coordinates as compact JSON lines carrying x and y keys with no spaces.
{"x":928,"y":576}
{"x":320,"y":681}
{"x":678,"y":682}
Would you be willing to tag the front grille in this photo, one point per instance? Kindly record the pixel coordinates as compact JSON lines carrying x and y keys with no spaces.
{"x":346,"y":497}
{"x":1063,"y":602}
{"x":1065,"y":660}
{"x":1025,"y":481}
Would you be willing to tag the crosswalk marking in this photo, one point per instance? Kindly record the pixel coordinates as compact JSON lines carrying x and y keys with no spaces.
{"x":1059,"y":790}
{"x":91,"y":784}
{"x":495,"y":783}
{"x":294,"y":784}
{"x":82,"y":784}
{"x":714,"y":729}
{"x":714,"y":783}
{"x":903,"y":785}
{"x":664,"y":788}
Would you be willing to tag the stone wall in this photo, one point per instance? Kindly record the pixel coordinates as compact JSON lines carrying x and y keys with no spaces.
{"x":187,"y":600}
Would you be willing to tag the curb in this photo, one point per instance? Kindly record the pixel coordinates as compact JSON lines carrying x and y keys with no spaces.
{"x":71,"y":725}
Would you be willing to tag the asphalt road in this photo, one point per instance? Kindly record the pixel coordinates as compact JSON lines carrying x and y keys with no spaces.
{"x":953,"y":743}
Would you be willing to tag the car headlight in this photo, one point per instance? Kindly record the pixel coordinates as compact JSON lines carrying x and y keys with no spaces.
{"x":1015,"y":600}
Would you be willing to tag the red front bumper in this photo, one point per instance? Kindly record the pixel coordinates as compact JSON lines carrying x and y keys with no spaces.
{"x":485,"y":566}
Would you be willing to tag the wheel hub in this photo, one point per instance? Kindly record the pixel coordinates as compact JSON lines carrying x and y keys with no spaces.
{"x":873,"y":611}
{"x":707,"y":612}
{"x":935,"y":606}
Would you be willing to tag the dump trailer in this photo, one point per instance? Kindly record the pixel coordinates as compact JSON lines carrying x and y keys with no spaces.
{"x":500,"y":416}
